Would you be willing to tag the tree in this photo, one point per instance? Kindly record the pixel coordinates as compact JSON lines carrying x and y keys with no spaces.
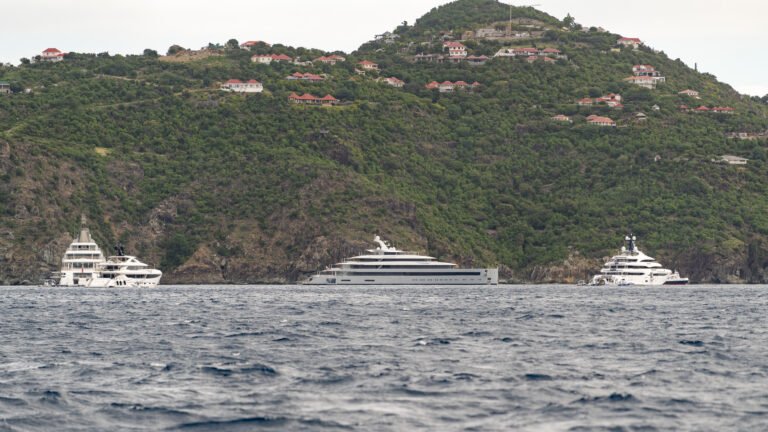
{"x":569,"y":21}
{"x":174,"y":49}
{"x":232,"y":44}
{"x":24,"y":60}
{"x":150,"y":53}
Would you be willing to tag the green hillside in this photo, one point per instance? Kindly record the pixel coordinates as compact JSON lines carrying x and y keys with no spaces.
{"x":222,"y":187}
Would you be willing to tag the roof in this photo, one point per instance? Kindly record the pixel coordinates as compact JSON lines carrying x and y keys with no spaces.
{"x":253,"y":81}
{"x":328,"y":98}
{"x":51,"y":51}
{"x":599,"y":119}
{"x":366,"y":63}
{"x":551,"y":50}
{"x":249,"y":43}
{"x":281,"y":57}
{"x":234,"y":81}
{"x":453,"y":45}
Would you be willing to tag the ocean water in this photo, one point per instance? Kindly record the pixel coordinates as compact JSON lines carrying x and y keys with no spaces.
{"x":296,"y":358}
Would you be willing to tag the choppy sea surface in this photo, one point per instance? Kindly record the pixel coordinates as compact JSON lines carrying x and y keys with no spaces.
{"x":242,"y":358}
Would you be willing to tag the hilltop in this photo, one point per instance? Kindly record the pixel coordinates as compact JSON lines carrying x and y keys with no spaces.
{"x":225,"y":187}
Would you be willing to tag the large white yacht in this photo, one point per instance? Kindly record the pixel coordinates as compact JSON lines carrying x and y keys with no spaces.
{"x":84,"y":265}
{"x":80,"y":260}
{"x":123,"y":270}
{"x":633,"y":267}
{"x":387,"y":265}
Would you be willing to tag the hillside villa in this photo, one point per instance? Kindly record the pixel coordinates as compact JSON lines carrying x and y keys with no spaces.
{"x":561,"y":118}
{"x":269,"y":58}
{"x":629,"y":42}
{"x":530,"y":52}
{"x":310,"y":99}
{"x":393,"y":81}
{"x":331,"y":59}
{"x":237,"y":86}
{"x":52,"y":55}
{"x":305,"y":77}
{"x":612,"y":100}
{"x":368,"y":65}
{"x":642,"y":81}
{"x":455,"y":49}
{"x":250,"y":44}
{"x":731,"y":160}
{"x":450,"y":87}
{"x":5,"y":88}
{"x":600,"y":121}
{"x":690,"y":93}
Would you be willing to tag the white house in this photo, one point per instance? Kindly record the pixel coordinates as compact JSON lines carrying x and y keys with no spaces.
{"x":732,"y":160}
{"x":600,"y":121}
{"x":630,"y":42}
{"x":235,"y":85}
{"x":690,"y":93}
{"x":643,"y":81}
{"x":455,"y":49}
{"x":394,"y":82}
{"x":52,"y":55}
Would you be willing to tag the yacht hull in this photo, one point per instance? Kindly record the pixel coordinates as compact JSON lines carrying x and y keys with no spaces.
{"x":489,"y":276}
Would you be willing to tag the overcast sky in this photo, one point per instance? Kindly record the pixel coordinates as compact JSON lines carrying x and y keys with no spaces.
{"x":726,"y":38}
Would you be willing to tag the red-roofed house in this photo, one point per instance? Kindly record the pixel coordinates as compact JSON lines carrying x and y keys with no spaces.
{"x":235,"y":85}
{"x":52,"y":55}
{"x":633,"y":42}
{"x":690,"y":93}
{"x":455,"y":49}
{"x":368,"y":65}
{"x":305,"y":77}
{"x":446,"y":87}
{"x":394,"y":82}
{"x":600,"y":121}
{"x":723,"y":110}
{"x":702,"y":109}
{"x":250,"y":44}
{"x":433,"y":85}
{"x":476,"y":60}
{"x":310,"y":99}
{"x":531,"y":59}
{"x":331,"y":59}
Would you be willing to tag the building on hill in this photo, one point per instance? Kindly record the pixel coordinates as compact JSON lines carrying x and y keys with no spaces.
{"x":429,"y":58}
{"x":237,"y":86}
{"x":331,"y":59}
{"x":630,"y":42}
{"x":305,"y":77}
{"x":731,"y":160}
{"x":393,"y":81}
{"x":310,"y":99}
{"x":585,"y":102}
{"x":600,"y":121}
{"x":455,"y":49}
{"x":5,"y":88}
{"x":450,"y":87}
{"x":488,"y":33}
{"x":561,"y":118}
{"x":690,"y":93}
{"x":253,"y":43}
{"x":368,"y":65}
{"x":701,"y":109}
{"x":387,"y":37}
{"x":643,"y":81}
{"x":476,"y":60}
{"x":723,"y":110}
{"x":52,"y":55}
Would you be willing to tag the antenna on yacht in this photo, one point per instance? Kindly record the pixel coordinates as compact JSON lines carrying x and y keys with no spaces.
{"x":630,"y":239}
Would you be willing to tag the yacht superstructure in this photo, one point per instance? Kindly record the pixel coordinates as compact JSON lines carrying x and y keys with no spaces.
{"x":80,"y":260}
{"x":387,"y":265}
{"x":633,"y":267}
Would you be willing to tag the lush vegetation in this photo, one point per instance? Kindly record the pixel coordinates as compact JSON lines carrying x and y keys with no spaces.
{"x":155,"y":154}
